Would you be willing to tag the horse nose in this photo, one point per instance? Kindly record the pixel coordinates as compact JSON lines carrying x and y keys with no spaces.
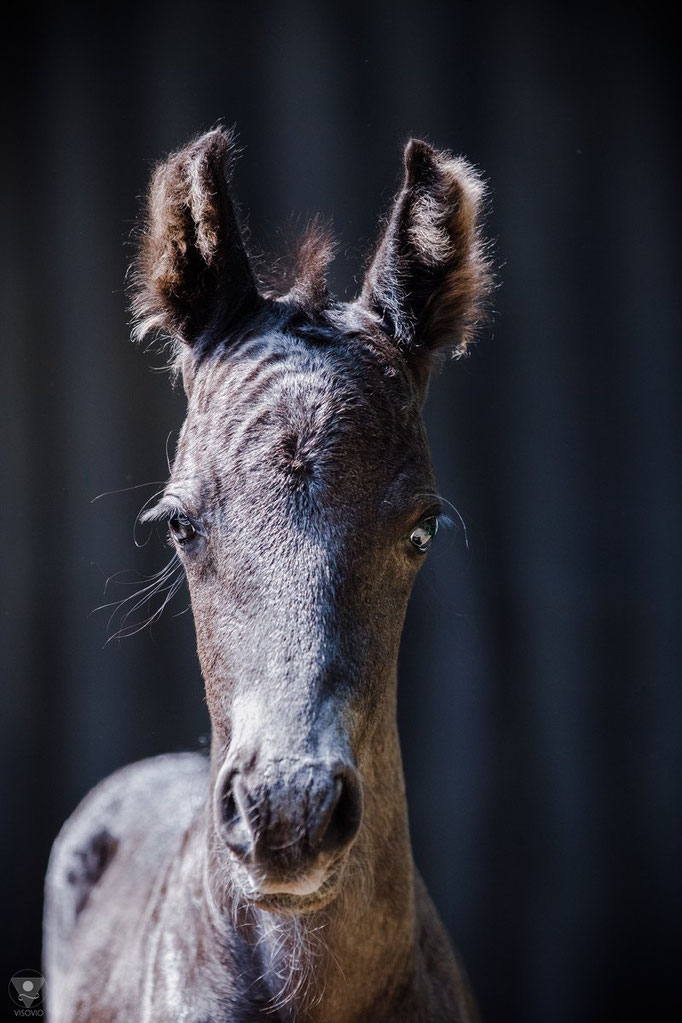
{"x":283,"y":826}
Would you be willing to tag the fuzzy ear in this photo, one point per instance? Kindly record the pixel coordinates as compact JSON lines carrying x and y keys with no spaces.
{"x":192,"y":273}
{"x":429,"y":277}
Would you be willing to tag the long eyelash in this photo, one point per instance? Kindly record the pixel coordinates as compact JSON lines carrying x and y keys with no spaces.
{"x":446,"y":520}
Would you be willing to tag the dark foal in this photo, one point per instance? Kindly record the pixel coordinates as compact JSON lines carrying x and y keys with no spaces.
{"x":275,"y":880}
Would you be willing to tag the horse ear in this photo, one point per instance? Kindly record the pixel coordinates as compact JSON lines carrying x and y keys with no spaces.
{"x":429,"y":277}
{"x":192,"y":274}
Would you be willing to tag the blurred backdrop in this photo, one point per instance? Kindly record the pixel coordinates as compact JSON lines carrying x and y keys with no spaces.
{"x":540,"y":678}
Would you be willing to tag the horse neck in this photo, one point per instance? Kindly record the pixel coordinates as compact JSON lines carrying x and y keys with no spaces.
{"x":335,"y":963}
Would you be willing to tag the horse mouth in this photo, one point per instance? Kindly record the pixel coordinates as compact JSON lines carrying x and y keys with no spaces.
{"x":305,"y":894}
{"x":307,"y":884}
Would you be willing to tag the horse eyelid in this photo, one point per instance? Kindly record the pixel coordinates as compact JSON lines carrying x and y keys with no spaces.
{"x":163,"y":510}
{"x":436,"y":511}
{"x":166,"y":508}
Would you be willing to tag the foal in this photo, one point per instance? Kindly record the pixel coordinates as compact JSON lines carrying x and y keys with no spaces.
{"x":275,"y":880}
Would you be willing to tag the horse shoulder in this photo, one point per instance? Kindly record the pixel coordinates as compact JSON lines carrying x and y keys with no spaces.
{"x":127,"y":826}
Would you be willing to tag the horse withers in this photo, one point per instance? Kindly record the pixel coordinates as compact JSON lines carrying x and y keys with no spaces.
{"x":275,"y":880}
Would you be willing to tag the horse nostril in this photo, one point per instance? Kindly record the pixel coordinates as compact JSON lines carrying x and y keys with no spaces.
{"x":232,"y":821}
{"x":342,"y":820}
{"x":228,"y":808}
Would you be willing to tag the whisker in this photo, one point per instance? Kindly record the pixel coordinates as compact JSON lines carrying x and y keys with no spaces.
{"x":460,"y":518}
{"x":132,"y":630}
{"x":145,"y":596}
{"x":179,"y":614}
{"x":139,"y":578}
{"x":170,"y":593}
{"x":141,"y":512}
{"x":166,"y":582}
{"x":168,"y":461}
{"x":125,"y":490}
{"x":152,"y":581}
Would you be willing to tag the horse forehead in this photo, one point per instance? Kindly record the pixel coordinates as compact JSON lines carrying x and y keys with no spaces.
{"x":299,"y":432}
{"x":274,"y":394}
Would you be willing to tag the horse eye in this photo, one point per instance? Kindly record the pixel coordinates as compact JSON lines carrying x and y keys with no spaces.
{"x":423,"y":534}
{"x":181,"y":529}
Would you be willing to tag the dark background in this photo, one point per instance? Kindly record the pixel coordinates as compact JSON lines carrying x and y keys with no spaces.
{"x":540,"y":684}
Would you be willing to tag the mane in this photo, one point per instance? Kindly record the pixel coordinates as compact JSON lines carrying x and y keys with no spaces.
{"x":299,"y":277}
